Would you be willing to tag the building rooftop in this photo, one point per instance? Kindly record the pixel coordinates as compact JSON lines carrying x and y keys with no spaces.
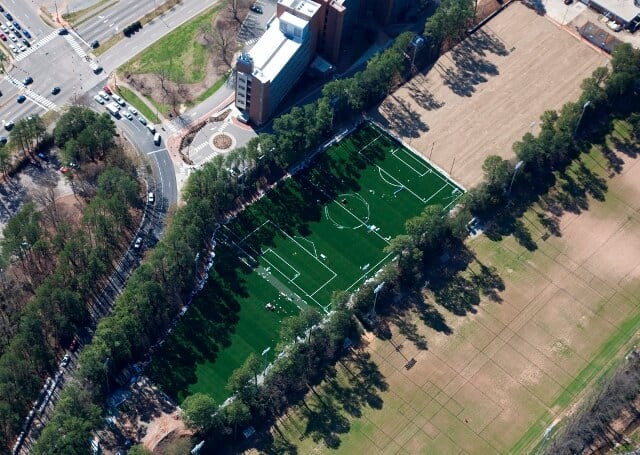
{"x":625,"y":9}
{"x":307,"y":7}
{"x":273,"y":50}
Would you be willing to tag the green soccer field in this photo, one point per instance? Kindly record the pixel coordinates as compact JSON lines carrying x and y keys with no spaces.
{"x":322,"y":230}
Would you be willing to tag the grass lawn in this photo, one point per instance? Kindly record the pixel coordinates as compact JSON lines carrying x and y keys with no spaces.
{"x":136,"y":102}
{"x":178,"y":54}
{"x":322,"y":230}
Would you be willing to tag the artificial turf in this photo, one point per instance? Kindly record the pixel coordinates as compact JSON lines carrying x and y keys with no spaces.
{"x":322,"y":230}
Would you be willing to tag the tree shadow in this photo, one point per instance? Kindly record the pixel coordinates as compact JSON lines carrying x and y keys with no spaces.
{"x":324,"y":414}
{"x":488,"y":282}
{"x":536,"y":5}
{"x":593,"y":184}
{"x":470,"y":68}
{"x":629,"y":148}
{"x":399,"y":117}
{"x":550,"y":222}
{"x":422,"y":96}
{"x":615,"y":164}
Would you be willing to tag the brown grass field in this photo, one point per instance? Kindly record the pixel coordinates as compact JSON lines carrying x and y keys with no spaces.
{"x":485,"y":94}
{"x":493,"y":380}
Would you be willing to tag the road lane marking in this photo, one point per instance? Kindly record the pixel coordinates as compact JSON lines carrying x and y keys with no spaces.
{"x":156,"y":151}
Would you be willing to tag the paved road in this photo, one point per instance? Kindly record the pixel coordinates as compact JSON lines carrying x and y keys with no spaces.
{"x":113,"y":20}
{"x":154,"y":30}
{"x":142,"y":139}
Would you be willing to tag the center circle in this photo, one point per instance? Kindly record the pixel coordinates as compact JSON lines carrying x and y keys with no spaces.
{"x":348,"y":211}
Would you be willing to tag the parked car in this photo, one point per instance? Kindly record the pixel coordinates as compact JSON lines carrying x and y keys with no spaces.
{"x":3,"y":140}
{"x":98,"y":99}
{"x":8,"y":124}
{"x":65,"y":360}
{"x":16,"y":25}
{"x":128,"y":115}
{"x":119,"y":100}
{"x":21,"y":99}
{"x":43,"y":157}
{"x":8,"y":16}
{"x":27,"y":80}
{"x":256,"y":8}
{"x":107,"y":89}
{"x":142,"y":119}
{"x":3,"y":37}
{"x":613,"y":25}
{"x":133,"y":110}
{"x":151,"y":197}
{"x":102,"y":94}
{"x":26,"y":43}
{"x":26,"y":33}
{"x":55,"y":90}
{"x":137,"y":244}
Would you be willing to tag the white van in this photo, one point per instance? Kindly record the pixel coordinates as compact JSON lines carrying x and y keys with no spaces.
{"x":156,"y":139}
{"x":151,"y":128}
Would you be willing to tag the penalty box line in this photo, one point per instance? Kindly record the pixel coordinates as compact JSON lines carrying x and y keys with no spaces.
{"x":287,"y":236}
{"x":395,"y":151}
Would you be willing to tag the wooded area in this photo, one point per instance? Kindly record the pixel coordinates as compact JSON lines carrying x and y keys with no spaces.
{"x":53,"y":265}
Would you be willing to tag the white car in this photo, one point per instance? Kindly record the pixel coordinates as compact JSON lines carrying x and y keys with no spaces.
{"x":4,"y":28}
{"x":22,"y":48}
{"x":102,"y":94}
{"x":13,"y":37}
{"x":150,"y":197}
{"x":14,"y":49}
{"x":98,"y":99}
{"x":118,"y":100}
{"x":133,"y":110}
{"x":10,"y":25}
{"x":138,"y":243}
{"x":128,"y":115}
{"x":613,"y":25}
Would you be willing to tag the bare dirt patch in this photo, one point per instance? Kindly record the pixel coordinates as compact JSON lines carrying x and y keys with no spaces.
{"x":487,"y":92}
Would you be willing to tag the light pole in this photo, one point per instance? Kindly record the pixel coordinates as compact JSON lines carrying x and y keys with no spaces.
{"x":519,"y":164}
{"x":263,"y":355}
{"x":376,"y":291}
{"x":584,"y":108}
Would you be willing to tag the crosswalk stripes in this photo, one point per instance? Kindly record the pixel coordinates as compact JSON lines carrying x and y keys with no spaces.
{"x":171,"y":127}
{"x":35,"y":46}
{"x":33,"y":96}
{"x":76,"y":46}
{"x":197,"y":148}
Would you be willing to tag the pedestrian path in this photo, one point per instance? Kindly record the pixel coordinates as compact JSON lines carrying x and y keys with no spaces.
{"x":33,"y":96}
{"x":35,"y":46}
{"x":76,"y":46}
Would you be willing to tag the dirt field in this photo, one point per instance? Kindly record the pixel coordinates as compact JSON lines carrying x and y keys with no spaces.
{"x":495,"y":379}
{"x":485,"y":94}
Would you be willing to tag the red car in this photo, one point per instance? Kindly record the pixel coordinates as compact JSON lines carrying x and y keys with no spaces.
{"x":107,"y":89}
{"x":3,"y":37}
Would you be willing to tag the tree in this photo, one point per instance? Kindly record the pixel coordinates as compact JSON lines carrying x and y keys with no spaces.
{"x":223,"y":41}
{"x":237,"y":413}
{"x":139,"y":449}
{"x":198,"y":410}
{"x":450,"y":21}
{"x":497,"y":172}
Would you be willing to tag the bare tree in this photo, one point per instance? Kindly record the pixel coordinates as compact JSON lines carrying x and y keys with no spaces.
{"x":236,"y":8}
{"x":224,"y":42}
